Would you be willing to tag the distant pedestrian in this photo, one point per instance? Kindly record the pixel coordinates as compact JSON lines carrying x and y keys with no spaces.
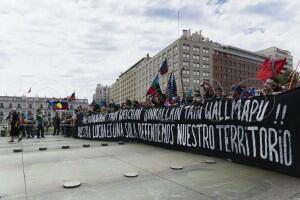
{"x":56,"y":124}
{"x":14,"y":125}
{"x":29,"y":124}
{"x":40,"y":124}
{"x":22,"y":124}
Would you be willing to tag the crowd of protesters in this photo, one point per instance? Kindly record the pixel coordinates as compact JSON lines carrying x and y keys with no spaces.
{"x":271,"y":86}
{"x":26,"y":124}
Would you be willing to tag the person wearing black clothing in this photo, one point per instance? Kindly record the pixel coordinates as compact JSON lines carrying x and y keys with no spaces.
{"x":40,"y":124}
{"x":14,"y":125}
{"x":56,"y":124}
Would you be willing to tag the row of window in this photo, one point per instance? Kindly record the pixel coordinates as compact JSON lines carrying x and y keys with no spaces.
{"x":195,"y":57}
{"x":235,"y":71}
{"x":240,"y":65}
{"x":229,"y":77}
{"x":197,"y":73}
{"x":187,"y":80}
{"x":10,"y":105}
{"x":186,"y":63}
{"x":235,"y":57}
{"x":195,"y":48}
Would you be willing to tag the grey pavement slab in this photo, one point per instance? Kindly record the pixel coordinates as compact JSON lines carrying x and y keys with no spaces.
{"x":101,"y":169}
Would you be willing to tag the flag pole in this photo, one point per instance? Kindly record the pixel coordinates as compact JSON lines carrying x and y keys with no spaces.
{"x":293,"y":76}
{"x":178,"y":23}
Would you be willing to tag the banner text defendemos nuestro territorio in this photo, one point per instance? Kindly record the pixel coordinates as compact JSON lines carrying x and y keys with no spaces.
{"x":235,"y":127}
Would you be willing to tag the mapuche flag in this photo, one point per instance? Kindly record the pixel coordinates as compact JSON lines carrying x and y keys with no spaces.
{"x":171,"y":90}
{"x":270,"y":68}
{"x":154,"y":88}
{"x":164,"y":67}
{"x":59,"y":105}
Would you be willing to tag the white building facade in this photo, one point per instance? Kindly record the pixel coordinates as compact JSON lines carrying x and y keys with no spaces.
{"x":189,"y":58}
{"x":23,"y":104}
{"x":278,"y":53}
{"x":102,"y":93}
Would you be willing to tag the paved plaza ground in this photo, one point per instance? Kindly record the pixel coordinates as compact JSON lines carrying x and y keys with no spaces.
{"x":100,"y":169}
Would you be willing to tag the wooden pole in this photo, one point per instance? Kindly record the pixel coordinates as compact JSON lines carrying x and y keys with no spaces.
{"x":293,"y":76}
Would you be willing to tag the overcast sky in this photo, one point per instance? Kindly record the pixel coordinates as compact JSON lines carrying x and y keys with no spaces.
{"x":56,"y":47}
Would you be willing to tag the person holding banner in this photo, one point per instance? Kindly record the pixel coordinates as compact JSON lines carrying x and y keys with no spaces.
{"x":271,"y":86}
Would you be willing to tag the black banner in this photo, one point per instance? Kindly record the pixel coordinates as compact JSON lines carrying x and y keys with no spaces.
{"x":262,"y":131}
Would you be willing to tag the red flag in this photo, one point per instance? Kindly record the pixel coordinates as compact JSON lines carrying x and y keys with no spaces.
{"x":71,"y":98}
{"x":270,"y":68}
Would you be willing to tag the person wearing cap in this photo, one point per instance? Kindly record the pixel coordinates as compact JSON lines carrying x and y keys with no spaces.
{"x":271,"y":86}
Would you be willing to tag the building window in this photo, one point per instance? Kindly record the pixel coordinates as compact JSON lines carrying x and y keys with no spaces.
{"x":196,"y":81}
{"x":175,"y":57}
{"x":205,"y":58}
{"x":19,"y":105}
{"x":185,"y":71}
{"x":41,"y":106}
{"x":196,"y":49}
{"x":30,"y":105}
{"x":205,"y":74}
{"x":206,"y":66}
{"x":196,"y":73}
{"x":10,"y":105}
{"x":196,"y":57}
{"x":1,"y":114}
{"x":186,"y":47}
{"x":175,"y":49}
{"x":205,"y":50}
{"x":185,"y":63}
{"x":196,"y":65}
{"x":1,"y":105}
{"x":169,"y":52}
{"x":185,"y":55}
{"x":187,"y":80}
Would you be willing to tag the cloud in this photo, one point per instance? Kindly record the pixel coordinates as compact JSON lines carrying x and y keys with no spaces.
{"x":253,"y":30}
{"x":216,"y":2}
{"x":79,"y":43}
{"x":167,"y":13}
{"x":274,"y":9}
